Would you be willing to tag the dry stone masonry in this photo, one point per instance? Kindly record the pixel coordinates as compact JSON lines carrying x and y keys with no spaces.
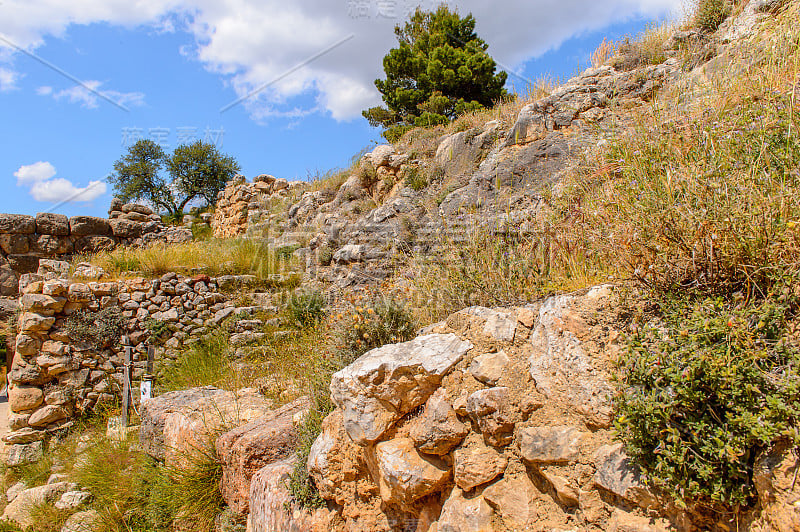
{"x":59,"y":372}
{"x":26,"y":239}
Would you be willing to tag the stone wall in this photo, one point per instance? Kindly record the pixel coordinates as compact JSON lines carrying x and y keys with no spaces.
{"x":242,"y":204}
{"x":58,"y":373}
{"x":25,"y":239}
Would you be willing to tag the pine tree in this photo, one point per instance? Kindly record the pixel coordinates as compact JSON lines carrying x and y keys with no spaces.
{"x":439,"y":70}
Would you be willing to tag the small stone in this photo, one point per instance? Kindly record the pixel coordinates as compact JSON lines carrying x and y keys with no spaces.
{"x":488,"y":368}
{"x":511,"y":498}
{"x":438,"y":429}
{"x":491,"y":411}
{"x":73,"y":499}
{"x":549,"y":444}
{"x":617,"y":474}
{"x":476,"y":465}
{"x":462,"y":514}
{"x":405,"y":475}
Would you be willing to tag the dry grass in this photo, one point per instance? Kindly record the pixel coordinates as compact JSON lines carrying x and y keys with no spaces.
{"x":647,"y":48}
{"x":605,"y":51}
{"x":212,"y":257}
{"x":700,"y":198}
{"x":704,"y":201}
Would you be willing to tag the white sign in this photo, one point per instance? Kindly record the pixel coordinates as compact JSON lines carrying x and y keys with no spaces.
{"x":145,"y":389}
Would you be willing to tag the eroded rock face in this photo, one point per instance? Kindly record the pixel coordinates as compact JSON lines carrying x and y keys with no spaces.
{"x":246,"y":449}
{"x":386,"y":383}
{"x":560,"y":366}
{"x":778,"y":492}
{"x":461,"y":514}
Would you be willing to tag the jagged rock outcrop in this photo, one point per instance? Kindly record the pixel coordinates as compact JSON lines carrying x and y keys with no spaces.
{"x":513,"y":453}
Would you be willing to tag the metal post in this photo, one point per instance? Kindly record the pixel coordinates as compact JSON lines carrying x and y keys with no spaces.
{"x":126,"y":391}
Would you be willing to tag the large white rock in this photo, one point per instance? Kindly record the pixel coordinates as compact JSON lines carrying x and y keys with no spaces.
{"x":384,"y":384}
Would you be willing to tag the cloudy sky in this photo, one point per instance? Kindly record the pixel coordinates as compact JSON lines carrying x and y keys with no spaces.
{"x":279,"y":85}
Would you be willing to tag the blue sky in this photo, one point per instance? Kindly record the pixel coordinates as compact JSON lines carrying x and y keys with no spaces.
{"x":174,"y":67}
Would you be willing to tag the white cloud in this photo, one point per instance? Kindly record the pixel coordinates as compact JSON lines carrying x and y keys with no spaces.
{"x":8,"y":79}
{"x":87,"y":95}
{"x":44,"y":187}
{"x":63,"y":190}
{"x":34,"y":173}
{"x":251,"y":42}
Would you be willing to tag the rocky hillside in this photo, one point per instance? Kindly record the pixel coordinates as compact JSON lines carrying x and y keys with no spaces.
{"x":575,"y":312}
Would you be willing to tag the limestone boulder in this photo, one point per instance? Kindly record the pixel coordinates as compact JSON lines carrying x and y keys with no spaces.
{"x":42,"y":304}
{"x":335,"y":462}
{"x":438,"y":429}
{"x":386,"y":383}
{"x":560,"y":365}
{"x":24,"y":453}
{"x":271,"y":505}
{"x":89,"y":225}
{"x":246,"y":449}
{"x":123,"y":228}
{"x":177,"y":424}
{"x":19,"y":511}
{"x":489,"y":367}
{"x":405,"y":475}
{"x":19,"y":224}
{"x":465,"y":513}
{"x":616,"y":473}
{"x":48,"y":223}
{"x":46,"y":415}
{"x":22,"y":398}
{"x":155,"y":411}
{"x":513,"y":499}
{"x":9,"y":281}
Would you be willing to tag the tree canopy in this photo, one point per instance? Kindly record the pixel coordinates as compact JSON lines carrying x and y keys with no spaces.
{"x":169,"y":183}
{"x":439,"y":70}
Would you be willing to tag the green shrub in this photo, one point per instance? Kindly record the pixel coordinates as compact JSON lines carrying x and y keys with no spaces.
{"x":416,"y":179}
{"x":102,"y":328}
{"x":373,"y":323}
{"x":306,"y":309}
{"x":707,"y":391}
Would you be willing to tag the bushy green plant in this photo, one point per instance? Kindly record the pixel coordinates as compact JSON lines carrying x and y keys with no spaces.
{"x":415,"y":179}
{"x":102,"y":328}
{"x":706,"y":391}
{"x":306,"y":309}
{"x":372,"y":323}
